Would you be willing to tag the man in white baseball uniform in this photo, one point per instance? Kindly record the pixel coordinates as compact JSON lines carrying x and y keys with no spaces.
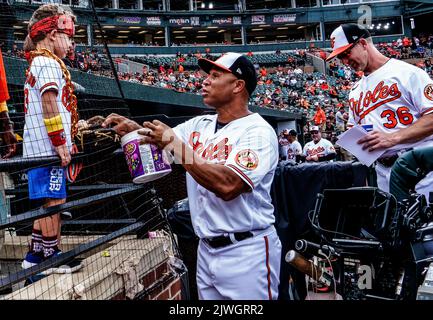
{"x":294,"y":148}
{"x":319,"y":149}
{"x":283,"y":140}
{"x":394,"y":96}
{"x":230,"y":159}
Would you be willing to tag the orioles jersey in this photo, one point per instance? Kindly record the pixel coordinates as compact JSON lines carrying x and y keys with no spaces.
{"x":293,"y":149}
{"x":45,"y":74}
{"x":249,"y":147}
{"x":322,"y":148}
{"x":391,"y":98}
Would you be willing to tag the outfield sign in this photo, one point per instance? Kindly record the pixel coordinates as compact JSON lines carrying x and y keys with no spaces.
{"x":191,"y":21}
{"x":153,"y":21}
{"x":129,"y":20}
{"x":258,"y":19}
{"x":228,"y":21}
{"x":284,"y":18}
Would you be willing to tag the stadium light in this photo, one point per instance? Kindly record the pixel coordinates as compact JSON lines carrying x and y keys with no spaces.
{"x":210,"y":5}
{"x":283,"y":28}
{"x":257,"y":29}
{"x":141,"y":32}
{"x":203,"y":31}
{"x":203,"y":5}
{"x":201,"y":37}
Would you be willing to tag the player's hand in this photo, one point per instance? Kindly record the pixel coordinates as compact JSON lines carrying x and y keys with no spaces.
{"x":157,"y":133}
{"x":64,"y":154}
{"x":9,"y":140}
{"x":376,"y":140}
{"x":314,"y":158}
{"x":122,"y":125}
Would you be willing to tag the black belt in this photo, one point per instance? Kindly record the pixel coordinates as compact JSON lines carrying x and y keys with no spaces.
{"x":222,"y":241}
{"x":388,"y":161}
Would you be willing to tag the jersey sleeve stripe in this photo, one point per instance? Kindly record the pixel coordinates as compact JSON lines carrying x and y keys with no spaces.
{"x":242,"y":175}
{"x":268,"y":268}
{"x":49,"y":85}
{"x":428,"y":111}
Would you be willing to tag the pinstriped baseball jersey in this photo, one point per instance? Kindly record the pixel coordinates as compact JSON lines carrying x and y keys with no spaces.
{"x":391,"y":98}
{"x":45,"y":74}
{"x":293,"y":149}
{"x":249,"y":147}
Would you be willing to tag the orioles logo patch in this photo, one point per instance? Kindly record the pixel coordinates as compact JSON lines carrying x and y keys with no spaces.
{"x":428,"y":92}
{"x":247,"y":159}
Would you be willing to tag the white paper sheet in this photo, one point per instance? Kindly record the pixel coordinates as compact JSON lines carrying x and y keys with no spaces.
{"x":349,"y":141}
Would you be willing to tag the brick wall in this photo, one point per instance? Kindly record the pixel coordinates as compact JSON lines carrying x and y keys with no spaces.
{"x":159,"y":284}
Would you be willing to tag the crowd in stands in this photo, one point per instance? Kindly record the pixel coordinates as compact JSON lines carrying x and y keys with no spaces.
{"x":282,"y":82}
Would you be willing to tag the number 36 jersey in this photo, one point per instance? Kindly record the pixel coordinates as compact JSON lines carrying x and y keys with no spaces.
{"x":391,"y":98}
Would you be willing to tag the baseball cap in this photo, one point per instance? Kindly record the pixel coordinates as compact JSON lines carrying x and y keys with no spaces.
{"x":345,"y":37}
{"x":234,"y":63}
{"x":314,"y":128}
{"x":293,"y":133}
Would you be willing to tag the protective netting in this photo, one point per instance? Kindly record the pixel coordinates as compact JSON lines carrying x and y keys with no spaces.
{"x":73,"y":229}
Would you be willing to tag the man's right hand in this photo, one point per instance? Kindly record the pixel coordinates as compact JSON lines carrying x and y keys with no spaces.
{"x":64,"y":154}
{"x":122,"y":125}
{"x":10,"y":142}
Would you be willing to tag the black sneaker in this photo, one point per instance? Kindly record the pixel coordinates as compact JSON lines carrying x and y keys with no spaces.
{"x":66,"y":215}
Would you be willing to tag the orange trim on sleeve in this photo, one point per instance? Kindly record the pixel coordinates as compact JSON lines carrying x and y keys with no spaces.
{"x":49,"y":85}
{"x":429,"y":110}
{"x":243,"y":175}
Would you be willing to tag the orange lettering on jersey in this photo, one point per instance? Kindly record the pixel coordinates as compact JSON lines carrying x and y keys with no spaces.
{"x":194,"y":141}
{"x":219,"y":151}
{"x":31,"y":80}
{"x":371,"y":100}
{"x":207,"y":153}
{"x":314,"y":151}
